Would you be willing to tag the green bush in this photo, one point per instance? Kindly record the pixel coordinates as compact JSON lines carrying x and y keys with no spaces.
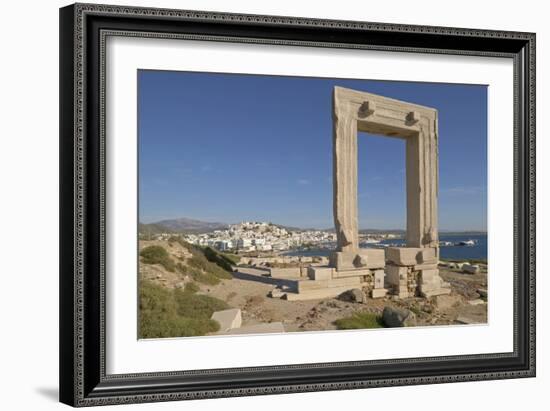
{"x":156,"y":299}
{"x":202,"y":277}
{"x":155,"y":254}
{"x":359,"y":321}
{"x":197,"y":306}
{"x":200,"y":262}
{"x":233,"y":258}
{"x":168,"y":313}
{"x":181,"y":268}
{"x":219,"y":259}
{"x":191,"y":288}
{"x":197,"y":262}
{"x":155,"y":326}
{"x":206,"y":265}
{"x":179,"y":239}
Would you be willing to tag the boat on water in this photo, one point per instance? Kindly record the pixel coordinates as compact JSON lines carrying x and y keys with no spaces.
{"x":467,"y":243}
{"x":370,"y":241}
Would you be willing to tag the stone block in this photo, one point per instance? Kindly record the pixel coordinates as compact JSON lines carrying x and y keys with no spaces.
{"x":379,"y":276}
{"x":371,"y":258}
{"x":293,"y":272}
{"x":276,"y":293}
{"x":431,"y":284}
{"x":379,"y":292}
{"x":402,"y":255}
{"x":323,"y":260}
{"x":428,"y":276}
{"x":398,"y":317}
{"x":320,"y":272}
{"x":355,"y":295}
{"x":427,"y":256}
{"x":342,"y":260}
{"x":303,"y":285}
{"x":434,"y":292}
{"x":228,"y":319}
{"x":317,"y":294}
{"x":411,"y":255}
{"x":358,"y":272}
{"x":360,"y":259}
{"x":395,"y":275}
{"x":434,"y":287}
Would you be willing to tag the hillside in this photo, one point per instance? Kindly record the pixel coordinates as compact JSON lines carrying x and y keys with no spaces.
{"x":183,"y":225}
{"x":173,"y":275}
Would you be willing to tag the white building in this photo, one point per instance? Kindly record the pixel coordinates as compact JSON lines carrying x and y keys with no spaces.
{"x":224,"y":245}
{"x":244,"y":242}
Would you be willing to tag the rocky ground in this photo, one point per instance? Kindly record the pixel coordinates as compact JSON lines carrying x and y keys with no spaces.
{"x":464,"y":305}
{"x":467,"y":303}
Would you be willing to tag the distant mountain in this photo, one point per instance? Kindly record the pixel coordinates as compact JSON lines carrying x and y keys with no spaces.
{"x":184,"y":225}
{"x":153,"y":228}
{"x":190,"y":226}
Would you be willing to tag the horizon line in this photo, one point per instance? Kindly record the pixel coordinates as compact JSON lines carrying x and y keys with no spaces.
{"x":482,"y":230}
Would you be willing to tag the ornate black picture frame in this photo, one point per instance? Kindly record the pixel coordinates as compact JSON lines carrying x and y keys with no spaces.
{"x":83,"y":29}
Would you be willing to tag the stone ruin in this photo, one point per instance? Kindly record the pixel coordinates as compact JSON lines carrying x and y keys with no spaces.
{"x":401,"y":271}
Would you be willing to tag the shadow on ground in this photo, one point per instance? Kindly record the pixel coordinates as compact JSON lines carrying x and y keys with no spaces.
{"x":279,"y":282}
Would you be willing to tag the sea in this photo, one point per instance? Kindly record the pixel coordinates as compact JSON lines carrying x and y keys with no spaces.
{"x":455,"y":252}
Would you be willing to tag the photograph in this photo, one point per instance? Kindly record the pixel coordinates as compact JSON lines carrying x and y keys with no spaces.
{"x":280,"y":204}
{"x":274,"y":201}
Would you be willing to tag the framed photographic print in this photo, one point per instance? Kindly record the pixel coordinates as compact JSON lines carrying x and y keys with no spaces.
{"x":261,"y":204}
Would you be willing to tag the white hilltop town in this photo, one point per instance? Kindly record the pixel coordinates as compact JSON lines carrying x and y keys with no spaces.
{"x":250,"y":236}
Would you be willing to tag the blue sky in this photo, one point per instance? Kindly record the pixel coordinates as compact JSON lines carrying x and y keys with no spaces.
{"x":226,"y":147}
